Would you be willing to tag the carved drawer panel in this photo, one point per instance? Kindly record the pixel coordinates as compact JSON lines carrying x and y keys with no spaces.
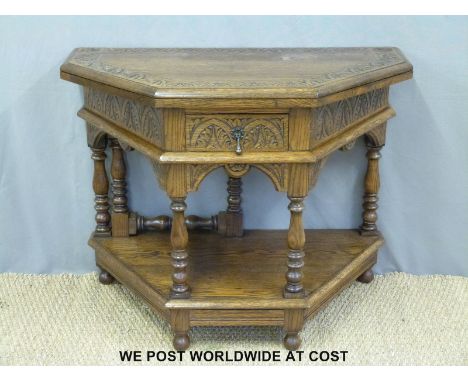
{"x":237,"y":132}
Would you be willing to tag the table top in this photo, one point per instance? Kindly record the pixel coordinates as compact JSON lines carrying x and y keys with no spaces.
{"x":235,"y":73}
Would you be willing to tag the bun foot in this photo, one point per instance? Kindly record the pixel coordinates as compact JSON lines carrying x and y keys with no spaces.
{"x":106,"y":278}
{"x":366,"y":277}
{"x":181,"y":341}
{"x":292,"y":341}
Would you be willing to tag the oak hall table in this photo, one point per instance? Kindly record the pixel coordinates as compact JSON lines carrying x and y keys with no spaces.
{"x":190,"y":111}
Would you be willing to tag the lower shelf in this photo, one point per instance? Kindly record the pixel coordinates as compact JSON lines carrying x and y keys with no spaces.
{"x":237,"y":281}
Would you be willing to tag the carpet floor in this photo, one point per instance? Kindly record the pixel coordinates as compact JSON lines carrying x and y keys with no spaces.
{"x":398,"y":319}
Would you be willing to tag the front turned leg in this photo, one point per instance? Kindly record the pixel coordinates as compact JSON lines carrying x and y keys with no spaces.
{"x":293,"y":322}
{"x":180,"y":322}
{"x":296,"y":242}
{"x":179,"y":240}
{"x":371,"y":189}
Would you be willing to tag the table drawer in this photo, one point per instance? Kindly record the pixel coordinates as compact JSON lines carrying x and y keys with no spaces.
{"x":237,"y":132}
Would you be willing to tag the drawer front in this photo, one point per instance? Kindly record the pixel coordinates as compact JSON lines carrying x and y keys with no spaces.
{"x":220,"y":132}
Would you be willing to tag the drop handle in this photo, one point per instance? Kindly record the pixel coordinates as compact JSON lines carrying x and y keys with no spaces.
{"x":238,"y":134}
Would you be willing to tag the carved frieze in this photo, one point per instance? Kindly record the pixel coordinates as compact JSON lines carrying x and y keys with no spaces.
{"x":330,"y":119}
{"x":143,"y":120}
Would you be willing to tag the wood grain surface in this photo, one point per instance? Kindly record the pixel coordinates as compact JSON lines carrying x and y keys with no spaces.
{"x":236,"y":73}
{"x":238,"y":273}
{"x":190,"y":111}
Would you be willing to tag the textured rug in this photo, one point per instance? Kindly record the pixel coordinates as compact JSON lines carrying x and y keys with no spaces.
{"x":399,"y":319}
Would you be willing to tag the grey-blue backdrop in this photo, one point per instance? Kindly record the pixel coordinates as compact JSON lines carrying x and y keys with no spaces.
{"x":46,"y":212}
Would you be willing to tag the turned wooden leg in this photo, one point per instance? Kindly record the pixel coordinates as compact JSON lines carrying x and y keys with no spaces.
{"x":366,"y":277}
{"x":105,"y":277}
{"x":180,"y":322}
{"x":293,"y":322}
{"x":230,"y":223}
{"x":101,"y":190}
{"x":179,"y":240}
{"x":296,"y":241}
{"x":120,"y":227}
{"x":371,"y":189}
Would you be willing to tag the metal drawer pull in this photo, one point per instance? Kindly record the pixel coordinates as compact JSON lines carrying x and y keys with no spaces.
{"x":238,"y":134}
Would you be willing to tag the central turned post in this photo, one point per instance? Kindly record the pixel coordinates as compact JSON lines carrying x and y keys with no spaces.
{"x":234,"y":190}
{"x":179,"y":255}
{"x":230,"y":222}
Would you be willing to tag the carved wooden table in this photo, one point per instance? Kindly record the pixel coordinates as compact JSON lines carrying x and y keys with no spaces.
{"x":190,"y":111}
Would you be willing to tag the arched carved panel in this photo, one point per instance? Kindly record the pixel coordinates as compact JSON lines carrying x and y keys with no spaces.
{"x":278,"y":174}
{"x":196,"y":173}
{"x":376,"y":137}
{"x":161,"y":172}
{"x":95,"y":137}
{"x":314,"y":171}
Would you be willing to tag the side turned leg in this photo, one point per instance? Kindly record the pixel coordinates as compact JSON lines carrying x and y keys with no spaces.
{"x":120,"y":224}
{"x":296,"y":242}
{"x":101,"y":190}
{"x":181,"y":325}
{"x":179,"y":240}
{"x":375,"y":140}
{"x":293,"y":322}
{"x":371,"y":189}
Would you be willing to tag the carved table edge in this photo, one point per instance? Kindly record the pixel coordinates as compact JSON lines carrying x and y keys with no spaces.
{"x":303,"y":98}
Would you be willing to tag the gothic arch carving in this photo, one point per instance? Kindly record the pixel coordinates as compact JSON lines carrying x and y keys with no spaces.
{"x":96,"y":138}
{"x":376,"y":137}
{"x":197,"y":173}
{"x":277,"y":173}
